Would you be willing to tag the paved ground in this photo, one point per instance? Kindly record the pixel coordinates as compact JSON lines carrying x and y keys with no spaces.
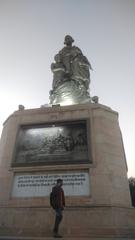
{"x":64,"y":238}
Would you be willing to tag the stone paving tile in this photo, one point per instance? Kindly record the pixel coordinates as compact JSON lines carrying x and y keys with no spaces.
{"x":64,"y":238}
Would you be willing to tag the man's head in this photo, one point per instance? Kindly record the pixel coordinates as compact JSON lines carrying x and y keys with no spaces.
{"x":59,"y":182}
{"x":68,"y":40}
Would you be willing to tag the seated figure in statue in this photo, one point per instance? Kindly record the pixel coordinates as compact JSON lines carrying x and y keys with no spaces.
{"x":58,"y":70}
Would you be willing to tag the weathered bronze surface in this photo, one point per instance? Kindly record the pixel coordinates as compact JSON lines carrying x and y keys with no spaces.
{"x":71,"y":76}
{"x":52,"y":144}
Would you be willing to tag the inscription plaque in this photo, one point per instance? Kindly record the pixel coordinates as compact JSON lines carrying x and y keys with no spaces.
{"x":40,"y":185}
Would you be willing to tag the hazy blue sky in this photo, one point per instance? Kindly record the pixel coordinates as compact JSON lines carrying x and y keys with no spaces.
{"x":32,"y":32}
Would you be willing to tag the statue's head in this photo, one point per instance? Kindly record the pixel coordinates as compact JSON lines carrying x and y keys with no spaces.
{"x":68,"y":40}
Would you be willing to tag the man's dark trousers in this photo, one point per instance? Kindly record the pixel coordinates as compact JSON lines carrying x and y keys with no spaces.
{"x":58,"y":219}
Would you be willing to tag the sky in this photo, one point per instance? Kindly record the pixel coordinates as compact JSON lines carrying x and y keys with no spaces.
{"x":33,"y":31}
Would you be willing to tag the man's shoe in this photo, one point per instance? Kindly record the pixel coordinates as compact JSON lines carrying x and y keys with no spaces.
{"x":56,"y":235}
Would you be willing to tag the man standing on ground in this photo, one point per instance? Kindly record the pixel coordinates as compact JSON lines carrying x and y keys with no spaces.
{"x":58,"y":194}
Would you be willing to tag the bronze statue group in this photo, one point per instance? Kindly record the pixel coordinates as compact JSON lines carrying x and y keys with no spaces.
{"x":71,"y":74}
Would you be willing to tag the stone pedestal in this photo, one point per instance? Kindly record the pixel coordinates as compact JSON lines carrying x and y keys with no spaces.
{"x":98,"y":201}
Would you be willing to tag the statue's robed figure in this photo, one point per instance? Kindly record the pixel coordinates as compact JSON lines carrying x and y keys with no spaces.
{"x":71,"y":76}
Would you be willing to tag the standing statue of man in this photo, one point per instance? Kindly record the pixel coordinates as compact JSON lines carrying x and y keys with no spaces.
{"x":76,"y":64}
{"x":67,"y":53}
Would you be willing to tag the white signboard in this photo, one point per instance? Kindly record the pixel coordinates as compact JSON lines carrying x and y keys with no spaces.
{"x":39,"y":185}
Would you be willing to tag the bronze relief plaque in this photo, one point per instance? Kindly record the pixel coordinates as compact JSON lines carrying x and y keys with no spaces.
{"x":55,"y":143}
